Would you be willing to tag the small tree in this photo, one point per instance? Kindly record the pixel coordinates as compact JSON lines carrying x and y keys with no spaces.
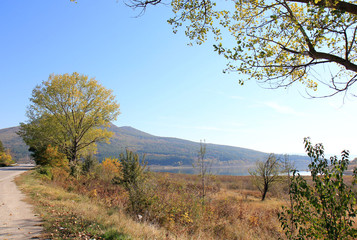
{"x":266,"y":174}
{"x":90,"y":162}
{"x":324,"y":209}
{"x":2,"y":149}
{"x":5,"y":156}
{"x":204,"y":167}
{"x":5,"y":159}
{"x":133,"y":179}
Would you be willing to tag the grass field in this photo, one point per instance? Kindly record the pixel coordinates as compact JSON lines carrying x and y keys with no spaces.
{"x":89,"y":207}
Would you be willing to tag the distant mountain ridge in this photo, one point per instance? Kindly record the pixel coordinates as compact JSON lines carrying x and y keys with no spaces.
{"x":162,"y":151}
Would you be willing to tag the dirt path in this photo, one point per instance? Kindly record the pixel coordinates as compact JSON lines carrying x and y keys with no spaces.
{"x":17,"y":221}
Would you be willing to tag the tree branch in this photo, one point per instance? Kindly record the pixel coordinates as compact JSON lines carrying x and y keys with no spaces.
{"x":341,"y":5}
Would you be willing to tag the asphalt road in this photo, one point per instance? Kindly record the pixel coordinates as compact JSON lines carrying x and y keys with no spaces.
{"x":17,"y":221}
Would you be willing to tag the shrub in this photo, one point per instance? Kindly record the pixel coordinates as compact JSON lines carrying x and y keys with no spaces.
{"x":45,"y":171}
{"x":52,"y":157}
{"x":133,"y":180}
{"x":75,"y":169}
{"x":89,"y":163}
{"x":59,"y":174}
{"x":5,"y":159}
{"x":112,"y":167}
{"x":326,"y":208}
{"x":2,"y":149}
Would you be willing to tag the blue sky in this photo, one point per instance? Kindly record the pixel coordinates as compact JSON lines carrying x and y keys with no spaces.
{"x":164,"y":87}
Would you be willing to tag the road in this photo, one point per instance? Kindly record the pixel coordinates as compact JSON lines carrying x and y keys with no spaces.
{"x":17,"y":221}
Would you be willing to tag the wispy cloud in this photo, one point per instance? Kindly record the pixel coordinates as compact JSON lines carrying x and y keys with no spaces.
{"x":217,"y":129}
{"x":224,"y":94}
{"x":236,"y":97}
{"x":282,"y":109}
{"x":232,"y":128}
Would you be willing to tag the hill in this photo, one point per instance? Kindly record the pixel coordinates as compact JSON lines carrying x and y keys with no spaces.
{"x":161,"y":151}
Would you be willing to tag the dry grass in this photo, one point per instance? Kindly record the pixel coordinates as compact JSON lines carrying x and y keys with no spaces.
{"x":89,"y":207}
{"x":70,"y":215}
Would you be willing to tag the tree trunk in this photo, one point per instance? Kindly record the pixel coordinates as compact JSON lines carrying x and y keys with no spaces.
{"x":265,"y":190}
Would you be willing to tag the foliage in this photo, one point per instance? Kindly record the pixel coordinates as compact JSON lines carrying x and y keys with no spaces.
{"x":45,"y":172}
{"x":69,"y":112}
{"x":266,"y":174}
{"x":278,"y":43}
{"x":2,"y":149}
{"x":111,"y":168}
{"x":133,"y":180}
{"x":52,"y":157}
{"x":90,"y":162}
{"x":5,"y":158}
{"x":326,"y":208}
{"x":76,"y":169}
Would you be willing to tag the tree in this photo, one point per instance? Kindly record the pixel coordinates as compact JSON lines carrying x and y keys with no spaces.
{"x":277,"y":42}
{"x":52,"y":157}
{"x":70,"y":112}
{"x":2,"y":149}
{"x":204,"y":167}
{"x":5,"y":158}
{"x":324,"y":209}
{"x":133,"y":179}
{"x":266,"y":174}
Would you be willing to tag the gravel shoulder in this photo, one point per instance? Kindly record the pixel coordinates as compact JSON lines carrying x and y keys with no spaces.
{"x":17,"y":220}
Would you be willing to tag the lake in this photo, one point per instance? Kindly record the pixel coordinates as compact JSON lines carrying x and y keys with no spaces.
{"x":225,"y":170}
{"x":234,"y":170}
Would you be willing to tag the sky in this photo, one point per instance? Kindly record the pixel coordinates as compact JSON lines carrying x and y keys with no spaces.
{"x":164,"y":87}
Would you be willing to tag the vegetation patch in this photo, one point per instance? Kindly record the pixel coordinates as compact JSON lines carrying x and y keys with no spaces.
{"x":90,"y":207}
{"x":70,"y":215}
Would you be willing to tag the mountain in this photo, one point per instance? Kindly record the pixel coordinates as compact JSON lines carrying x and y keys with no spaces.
{"x":162,"y":151}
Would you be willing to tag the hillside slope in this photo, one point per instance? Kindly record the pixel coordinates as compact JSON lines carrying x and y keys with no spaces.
{"x":163,"y":151}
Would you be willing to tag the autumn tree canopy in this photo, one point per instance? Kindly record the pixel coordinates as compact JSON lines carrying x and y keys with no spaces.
{"x":69,"y":112}
{"x":276,"y":42}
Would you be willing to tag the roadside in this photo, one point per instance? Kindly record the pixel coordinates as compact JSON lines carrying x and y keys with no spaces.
{"x":17,"y":221}
{"x":69,"y":215}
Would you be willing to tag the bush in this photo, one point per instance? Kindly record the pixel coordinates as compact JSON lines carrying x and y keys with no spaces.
{"x":51,"y":157}
{"x":133,"y":180}
{"x":2,"y":149}
{"x":326,"y":208}
{"x":59,"y":174}
{"x":111,"y":168}
{"x":5,"y":159}
{"x":89,"y":163}
{"x":45,"y":172}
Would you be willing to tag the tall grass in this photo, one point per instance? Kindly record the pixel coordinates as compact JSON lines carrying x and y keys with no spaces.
{"x":92,"y":207}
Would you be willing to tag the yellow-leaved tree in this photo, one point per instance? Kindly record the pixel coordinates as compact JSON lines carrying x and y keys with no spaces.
{"x":5,"y":159}
{"x":70,"y":112}
{"x":276,"y":42}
